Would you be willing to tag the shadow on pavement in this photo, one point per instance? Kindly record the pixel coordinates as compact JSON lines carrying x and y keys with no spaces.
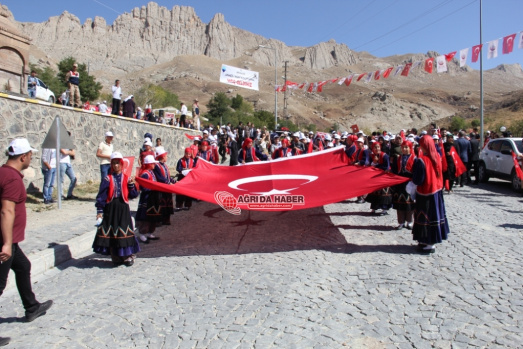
{"x":10,"y":320}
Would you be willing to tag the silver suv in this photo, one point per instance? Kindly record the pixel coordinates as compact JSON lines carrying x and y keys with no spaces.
{"x":495,"y":160}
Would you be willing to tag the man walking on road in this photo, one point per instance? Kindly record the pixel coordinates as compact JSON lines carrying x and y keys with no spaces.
{"x":12,"y":227}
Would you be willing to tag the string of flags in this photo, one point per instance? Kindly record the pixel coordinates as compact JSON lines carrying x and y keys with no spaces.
{"x":404,"y":69}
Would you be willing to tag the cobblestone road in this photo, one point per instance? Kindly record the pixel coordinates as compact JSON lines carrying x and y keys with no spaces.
{"x":329,"y":277}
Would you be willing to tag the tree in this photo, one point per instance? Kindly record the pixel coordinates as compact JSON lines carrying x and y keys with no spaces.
{"x":265,"y":118}
{"x":236,"y":102}
{"x":457,"y":123}
{"x":157,"y":96}
{"x":89,"y":88}
{"x":218,"y":107}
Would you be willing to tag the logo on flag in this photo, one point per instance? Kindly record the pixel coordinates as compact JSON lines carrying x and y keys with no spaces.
{"x":463,"y":54}
{"x":441,"y":62}
{"x":492,"y":49}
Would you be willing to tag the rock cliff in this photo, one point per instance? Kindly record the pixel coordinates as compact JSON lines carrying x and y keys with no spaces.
{"x":153,"y":34}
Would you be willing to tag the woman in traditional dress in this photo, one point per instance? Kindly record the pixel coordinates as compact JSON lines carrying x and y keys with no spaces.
{"x":115,"y":235}
{"x":449,"y":173}
{"x":401,"y":200}
{"x":163,"y":175}
{"x":430,"y":219}
{"x":381,"y":199}
{"x":148,"y":212}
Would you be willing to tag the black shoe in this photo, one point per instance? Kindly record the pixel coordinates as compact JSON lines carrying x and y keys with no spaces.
{"x":129,"y":262}
{"x":72,"y":197}
{"x":4,"y":341}
{"x":41,"y":310}
{"x":428,"y":250}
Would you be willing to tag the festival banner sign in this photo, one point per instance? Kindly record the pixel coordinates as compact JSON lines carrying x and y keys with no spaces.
{"x":239,"y":77}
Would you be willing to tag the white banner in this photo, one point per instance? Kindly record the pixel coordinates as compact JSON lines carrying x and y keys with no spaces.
{"x":239,"y":77}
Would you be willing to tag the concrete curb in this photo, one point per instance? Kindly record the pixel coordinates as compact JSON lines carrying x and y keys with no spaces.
{"x":47,"y":259}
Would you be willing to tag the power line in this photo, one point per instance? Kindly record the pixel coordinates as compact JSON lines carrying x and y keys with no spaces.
{"x":425,"y":26}
{"x":110,"y":8}
{"x":441,"y":4}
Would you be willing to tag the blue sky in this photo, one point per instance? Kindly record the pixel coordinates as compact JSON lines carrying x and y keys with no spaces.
{"x":380,"y":27}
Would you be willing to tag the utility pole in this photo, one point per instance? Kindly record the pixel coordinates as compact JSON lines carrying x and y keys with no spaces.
{"x":285,"y":113}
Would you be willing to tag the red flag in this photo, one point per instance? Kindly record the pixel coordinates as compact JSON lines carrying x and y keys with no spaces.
{"x":361,"y":76}
{"x":387,"y":72}
{"x":302,"y":85}
{"x":476,"y":50}
{"x":278,"y":88}
{"x":320,"y":86}
{"x":285,"y":184}
{"x":508,"y":43}
{"x":290,"y":83}
{"x":519,"y":172}
{"x":377,"y":74}
{"x":429,"y":64}
{"x":460,"y":167}
{"x":128,"y":163}
{"x":284,"y":88}
{"x":348,"y":80}
{"x":406,"y":70}
{"x":334,"y":80}
{"x":355,"y":128}
{"x":311,"y":86}
{"x":449,"y":56}
{"x":191,"y":137}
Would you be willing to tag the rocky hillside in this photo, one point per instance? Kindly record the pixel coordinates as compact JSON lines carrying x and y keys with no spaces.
{"x":176,"y":49}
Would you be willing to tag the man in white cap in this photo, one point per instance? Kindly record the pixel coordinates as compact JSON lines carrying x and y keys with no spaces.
{"x":13,"y":219}
{"x":105,"y":149}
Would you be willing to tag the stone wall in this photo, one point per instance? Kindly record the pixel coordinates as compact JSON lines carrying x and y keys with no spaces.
{"x":26,"y":118}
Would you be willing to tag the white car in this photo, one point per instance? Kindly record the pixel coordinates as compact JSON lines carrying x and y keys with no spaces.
{"x":495,"y":160}
{"x":43,"y":92}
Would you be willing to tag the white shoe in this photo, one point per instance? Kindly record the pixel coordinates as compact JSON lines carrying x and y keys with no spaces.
{"x":409,"y":225}
{"x":152,"y":237}
{"x":399,"y":227}
{"x":143,"y":238}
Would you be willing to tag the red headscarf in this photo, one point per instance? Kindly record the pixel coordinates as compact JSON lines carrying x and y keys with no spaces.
{"x":246,"y":142}
{"x":427,"y":142}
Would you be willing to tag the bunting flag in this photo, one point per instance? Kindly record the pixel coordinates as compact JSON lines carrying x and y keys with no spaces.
{"x":377,"y":75}
{"x":191,"y":137}
{"x":348,"y":80}
{"x":302,"y":85}
{"x":429,"y":64}
{"x":476,"y":50}
{"x":332,"y":81}
{"x":405,"y":71}
{"x":449,"y":56}
{"x":278,"y":88}
{"x":463,"y":54}
{"x":387,"y":72}
{"x":441,"y":63}
{"x":361,"y":76}
{"x":284,"y":88}
{"x":399,"y":68}
{"x":291,"y":83}
{"x":341,"y":81}
{"x":520,"y":45}
{"x":508,"y":43}
{"x":519,"y":172}
{"x":319,"y":86}
{"x":369,"y":77}
{"x":416,"y":64}
{"x":492,"y":49}
{"x":311,"y":86}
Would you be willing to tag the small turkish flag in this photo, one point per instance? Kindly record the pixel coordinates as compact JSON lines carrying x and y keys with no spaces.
{"x":348,"y":80}
{"x":128,"y":163}
{"x":508,"y":43}
{"x":429,"y":65}
{"x":377,"y":74}
{"x":320,"y":85}
{"x":361,"y":76}
{"x":387,"y":72}
{"x":406,"y":70}
{"x":449,"y":56}
{"x":476,"y":50}
{"x":355,"y":128}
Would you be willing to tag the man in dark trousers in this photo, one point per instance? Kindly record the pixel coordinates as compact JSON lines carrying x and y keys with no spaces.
{"x":474,"y":156}
{"x":12,"y":226}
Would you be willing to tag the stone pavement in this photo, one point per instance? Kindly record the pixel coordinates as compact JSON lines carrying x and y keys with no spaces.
{"x":328,"y":277}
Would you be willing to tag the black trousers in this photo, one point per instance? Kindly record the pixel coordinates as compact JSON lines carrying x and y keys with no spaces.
{"x":21,"y":266}
{"x":115,"y":106}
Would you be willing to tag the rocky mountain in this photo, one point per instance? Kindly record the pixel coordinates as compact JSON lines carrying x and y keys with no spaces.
{"x":175,"y":49}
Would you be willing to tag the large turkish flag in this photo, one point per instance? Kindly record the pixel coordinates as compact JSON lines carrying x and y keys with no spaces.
{"x":293,"y":183}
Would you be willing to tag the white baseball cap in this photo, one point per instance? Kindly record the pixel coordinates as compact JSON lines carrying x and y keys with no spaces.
{"x":149,"y":159}
{"x":116,"y":155}
{"x":109,"y":134}
{"x":19,"y":146}
{"x":148,"y":142}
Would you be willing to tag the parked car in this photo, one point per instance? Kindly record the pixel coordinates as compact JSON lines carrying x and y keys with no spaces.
{"x":495,"y":160}
{"x":43,"y":92}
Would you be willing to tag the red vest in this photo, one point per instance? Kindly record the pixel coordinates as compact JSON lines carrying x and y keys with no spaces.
{"x":432,"y":184}
{"x":187,"y":164}
{"x":125,"y":190}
